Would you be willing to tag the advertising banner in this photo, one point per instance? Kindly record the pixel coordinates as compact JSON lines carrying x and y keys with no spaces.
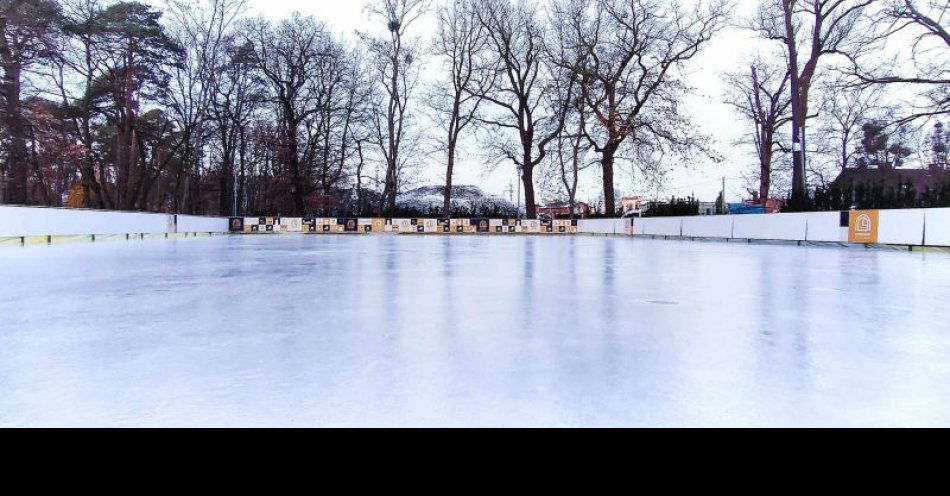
{"x":863,"y":226}
{"x":349,"y":225}
{"x":481,"y":225}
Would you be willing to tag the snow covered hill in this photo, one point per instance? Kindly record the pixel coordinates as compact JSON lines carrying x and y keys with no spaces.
{"x":466,"y":200}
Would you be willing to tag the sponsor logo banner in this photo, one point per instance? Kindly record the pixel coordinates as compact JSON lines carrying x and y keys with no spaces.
{"x":863,"y":226}
{"x":349,"y":225}
{"x":481,"y":225}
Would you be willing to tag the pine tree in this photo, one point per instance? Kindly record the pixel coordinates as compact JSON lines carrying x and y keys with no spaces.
{"x":938,"y":144}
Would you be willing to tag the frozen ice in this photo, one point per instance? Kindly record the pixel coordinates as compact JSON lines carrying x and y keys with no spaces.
{"x":387,"y":330}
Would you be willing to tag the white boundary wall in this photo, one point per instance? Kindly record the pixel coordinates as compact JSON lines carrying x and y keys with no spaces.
{"x":897,"y":227}
{"x":194,"y":223}
{"x":937,"y":223}
{"x":708,"y":226}
{"x":603,"y":226}
{"x":784,"y":227}
{"x":662,"y":226}
{"x":38,"y":221}
{"x":825,"y":227}
{"x":902,"y":227}
{"x":912,"y":227}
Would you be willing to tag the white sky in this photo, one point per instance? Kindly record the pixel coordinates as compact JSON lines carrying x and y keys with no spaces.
{"x":727,"y":52}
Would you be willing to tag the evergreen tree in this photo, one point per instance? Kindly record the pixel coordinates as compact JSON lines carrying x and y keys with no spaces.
{"x":938,"y":147}
{"x":27,"y":29}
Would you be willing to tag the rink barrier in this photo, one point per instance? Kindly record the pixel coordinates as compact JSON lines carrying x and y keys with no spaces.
{"x":605,"y":226}
{"x":281,"y":225}
{"x":99,"y":238}
{"x":18,"y":221}
{"x":26,"y":226}
{"x":937,"y":227}
{"x":906,"y":228}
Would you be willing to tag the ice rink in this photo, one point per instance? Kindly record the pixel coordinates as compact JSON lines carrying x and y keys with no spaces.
{"x":384,"y":330}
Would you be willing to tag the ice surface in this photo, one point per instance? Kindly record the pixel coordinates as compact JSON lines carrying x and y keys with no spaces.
{"x":385,"y":330}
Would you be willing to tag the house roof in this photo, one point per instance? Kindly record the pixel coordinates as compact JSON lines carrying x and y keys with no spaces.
{"x":564,"y":204}
{"x":921,"y":179}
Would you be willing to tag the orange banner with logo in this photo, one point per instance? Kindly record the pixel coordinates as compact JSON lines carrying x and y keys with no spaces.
{"x":863,"y":226}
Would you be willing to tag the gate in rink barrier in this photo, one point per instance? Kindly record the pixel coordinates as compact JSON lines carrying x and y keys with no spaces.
{"x":277,"y":225}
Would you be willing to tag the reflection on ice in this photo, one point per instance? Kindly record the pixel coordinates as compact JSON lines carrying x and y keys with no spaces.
{"x":459,"y":331}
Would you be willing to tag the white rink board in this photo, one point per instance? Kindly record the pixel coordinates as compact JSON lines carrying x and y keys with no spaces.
{"x":901,"y":227}
{"x":34,"y":221}
{"x":708,"y":226}
{"x":638,"y":226}
{"x":780,"y":227}
{"x":897,"y":227}
{"x":194,"y":223}
{"x":603,"y":226}
{"x":938,"y":227}
{"x":826,"y":227}
{"x":662,"y":226}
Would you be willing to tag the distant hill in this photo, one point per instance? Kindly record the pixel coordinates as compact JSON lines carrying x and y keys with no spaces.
{"x":466,"y":200}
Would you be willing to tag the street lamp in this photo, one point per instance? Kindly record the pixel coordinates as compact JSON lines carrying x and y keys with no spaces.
{"x":520,"y":171}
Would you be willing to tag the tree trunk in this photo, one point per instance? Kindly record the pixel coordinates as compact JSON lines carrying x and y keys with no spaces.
{"x":224,"y":183}
{"x":607,"y":166}
{"x":450,"y":165}
{"x":226,"y":175}
{"x":384,"y":198}
{"x":293,"y":159}
{"x":527,"y":178}
{"x":296,"y":179}
{"x":359,"y":180}
{"x":16,"y":125}
{"x":242,"y":180}
{"x":40,"y":183}
{"x":393,"y":191}
{"x":799,"y":109}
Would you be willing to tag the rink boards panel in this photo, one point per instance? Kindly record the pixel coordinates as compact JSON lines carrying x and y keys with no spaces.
{"x":278,"y":225}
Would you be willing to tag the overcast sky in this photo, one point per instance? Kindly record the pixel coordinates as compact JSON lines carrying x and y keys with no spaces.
{"x":728,"y":52}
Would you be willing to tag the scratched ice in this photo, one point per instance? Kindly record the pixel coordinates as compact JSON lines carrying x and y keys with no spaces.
{"x":385,"y":330}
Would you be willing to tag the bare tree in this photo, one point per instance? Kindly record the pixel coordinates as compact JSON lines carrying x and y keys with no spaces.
{"x":809,"y":31}
{"x":460,"y":43}
{"x":358,"y":130}
{"x":844,"y":109}
{"x":527,"y":104}
{"x":289,"y":55}
{"x":235,"y":98}
{"x":571,"y":150}
{"x":572,"y":145}
{"x":632,"y":52}
{"x":919,"y":32}
{"x":395,"y":56}
{"x":760,"y":96}
{"x":342,"y":93}
{"x":27,"y":28}
{"x":203,"y":29}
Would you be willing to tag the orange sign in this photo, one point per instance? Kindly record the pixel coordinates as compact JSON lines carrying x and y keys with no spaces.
{"x":863,"y":226}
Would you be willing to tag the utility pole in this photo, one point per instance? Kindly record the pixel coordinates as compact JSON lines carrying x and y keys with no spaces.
{"x":723,"y":206}
{"x":804,"y":181}
{"x":234,"y":193}
{"x":518,"y":205}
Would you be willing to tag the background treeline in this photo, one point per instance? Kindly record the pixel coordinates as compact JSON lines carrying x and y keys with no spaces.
{"x":194,"y":106}
{"x":841,"y":85}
